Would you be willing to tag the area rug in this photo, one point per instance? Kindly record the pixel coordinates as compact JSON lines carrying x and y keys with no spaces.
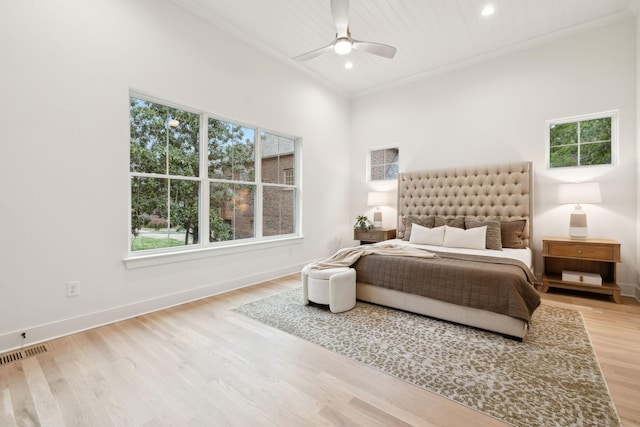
{"x":552,"y":378}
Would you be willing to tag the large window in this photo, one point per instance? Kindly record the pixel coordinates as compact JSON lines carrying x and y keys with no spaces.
{"x":582,"y":141}
{"x":179,"y":198}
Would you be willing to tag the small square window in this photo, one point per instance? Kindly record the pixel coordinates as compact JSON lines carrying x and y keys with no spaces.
{"x":383,"y":164}
{"x":582,"y":141}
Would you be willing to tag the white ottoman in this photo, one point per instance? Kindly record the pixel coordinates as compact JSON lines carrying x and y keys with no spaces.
{"x":333,"y":286}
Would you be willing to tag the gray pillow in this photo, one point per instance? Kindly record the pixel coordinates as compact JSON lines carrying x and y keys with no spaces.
{"x":494,"y":235}
{"x":457,"y":221}
{"x":512,"y":233}
{"x":427,"y":221}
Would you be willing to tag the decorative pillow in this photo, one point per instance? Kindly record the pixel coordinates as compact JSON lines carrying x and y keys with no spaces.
{"x":494,"y":236}
{"x":512,"y":233}
{"x":423,"y":221}
{"x":473,"y":238}
{"x":427,"y":236}
{"x":457,"y":222}
{"x":402,"y":227}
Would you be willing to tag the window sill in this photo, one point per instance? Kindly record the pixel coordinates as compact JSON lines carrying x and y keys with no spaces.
{"x":149,"y":260}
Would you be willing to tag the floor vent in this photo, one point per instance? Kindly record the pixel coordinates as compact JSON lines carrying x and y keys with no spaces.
{"x":23,"y":353}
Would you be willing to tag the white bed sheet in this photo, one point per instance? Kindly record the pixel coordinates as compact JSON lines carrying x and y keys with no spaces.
{"x":524,"y":255}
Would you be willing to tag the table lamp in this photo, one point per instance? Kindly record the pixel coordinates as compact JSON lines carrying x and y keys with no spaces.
{"x":579,"y":192}
{"x":377,"y":199}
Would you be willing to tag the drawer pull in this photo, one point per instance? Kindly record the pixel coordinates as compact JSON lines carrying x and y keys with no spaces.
{"x":579,"y":251}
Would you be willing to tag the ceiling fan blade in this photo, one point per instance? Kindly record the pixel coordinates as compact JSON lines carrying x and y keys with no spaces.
{"x":340,"y":13}
{"x":310,"y":55}
{"x":375,"y":48}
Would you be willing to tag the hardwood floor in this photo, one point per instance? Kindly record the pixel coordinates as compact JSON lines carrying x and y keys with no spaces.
{"x":201,"y":364}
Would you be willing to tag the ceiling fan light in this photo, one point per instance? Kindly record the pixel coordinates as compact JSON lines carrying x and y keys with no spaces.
{"x":342,"y":46}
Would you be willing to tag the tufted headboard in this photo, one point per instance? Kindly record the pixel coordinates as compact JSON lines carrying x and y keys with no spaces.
{"x":481,"y":192}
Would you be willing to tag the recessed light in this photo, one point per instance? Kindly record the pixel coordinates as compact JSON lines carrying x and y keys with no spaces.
{"x":488,"y":10}
{"x":348,"y":65}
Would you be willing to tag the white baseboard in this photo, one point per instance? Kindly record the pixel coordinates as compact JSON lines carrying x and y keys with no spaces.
{"x":628,"y":290}
{"x":41,"y":333}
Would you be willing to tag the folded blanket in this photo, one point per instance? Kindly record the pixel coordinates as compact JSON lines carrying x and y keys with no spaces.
{"x":348,"y":256}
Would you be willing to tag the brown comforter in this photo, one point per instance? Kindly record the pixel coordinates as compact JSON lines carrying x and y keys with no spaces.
{"x":499,"y":285}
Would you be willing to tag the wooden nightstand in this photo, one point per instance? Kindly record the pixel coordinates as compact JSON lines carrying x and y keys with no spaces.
{"x":589,"y":255}
{"x":374,"y":235}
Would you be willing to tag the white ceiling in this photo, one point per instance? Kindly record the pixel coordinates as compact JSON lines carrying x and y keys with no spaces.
{"x":430,"y":35}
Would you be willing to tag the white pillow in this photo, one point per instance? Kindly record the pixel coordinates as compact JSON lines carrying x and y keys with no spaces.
{"x":473,"y":238}
{"x":426,"y":236}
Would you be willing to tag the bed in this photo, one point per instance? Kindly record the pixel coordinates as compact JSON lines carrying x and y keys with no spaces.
{"x":490,"y":289}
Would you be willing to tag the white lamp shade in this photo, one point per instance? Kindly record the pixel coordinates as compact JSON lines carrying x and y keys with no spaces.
{"x":579,"y":192}
{"x":378,"y":198}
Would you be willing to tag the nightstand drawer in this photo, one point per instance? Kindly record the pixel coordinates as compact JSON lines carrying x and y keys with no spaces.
{"x":370,"y":235}
{"x":374,"y":235}
{"x":582,"y":251}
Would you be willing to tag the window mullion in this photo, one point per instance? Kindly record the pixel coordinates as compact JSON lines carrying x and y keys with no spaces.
{"x":166,"y":171}
{"x":204,"y":181}
{"x":161,"y":176}
{"x":169,"y":223}
{"x":258,"y":212}
{"x":297,"y":174}
{"x":579,"y":143}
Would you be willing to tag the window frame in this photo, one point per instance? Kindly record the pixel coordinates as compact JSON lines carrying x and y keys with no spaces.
{"x":204,"y":248}
{"x":612,"y":114}
{"x":369,"y":163}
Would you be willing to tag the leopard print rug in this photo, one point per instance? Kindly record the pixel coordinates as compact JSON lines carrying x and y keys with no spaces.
{"x":552,"y":378}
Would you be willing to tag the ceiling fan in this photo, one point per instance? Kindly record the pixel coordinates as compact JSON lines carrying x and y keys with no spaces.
{"x":343,"y":42}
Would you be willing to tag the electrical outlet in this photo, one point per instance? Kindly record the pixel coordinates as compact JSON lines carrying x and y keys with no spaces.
{"x":73,"y":289}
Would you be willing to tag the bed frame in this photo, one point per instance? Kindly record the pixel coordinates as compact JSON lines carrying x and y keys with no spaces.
{"x":502,"y":190}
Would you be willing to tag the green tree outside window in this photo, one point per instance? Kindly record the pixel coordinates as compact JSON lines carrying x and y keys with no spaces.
{"x":167,"y":182}
{"x":581,"y":143}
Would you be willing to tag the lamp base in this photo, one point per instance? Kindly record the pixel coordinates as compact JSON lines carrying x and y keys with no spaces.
{"x":578,"y":233}
{"x":578,"y":224}
{"x":377,"y":218}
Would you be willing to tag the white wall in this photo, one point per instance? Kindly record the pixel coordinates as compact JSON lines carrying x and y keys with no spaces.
{"x":66,"y":68}
{"x":495,"y":112}
{"x":637,"y":292}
